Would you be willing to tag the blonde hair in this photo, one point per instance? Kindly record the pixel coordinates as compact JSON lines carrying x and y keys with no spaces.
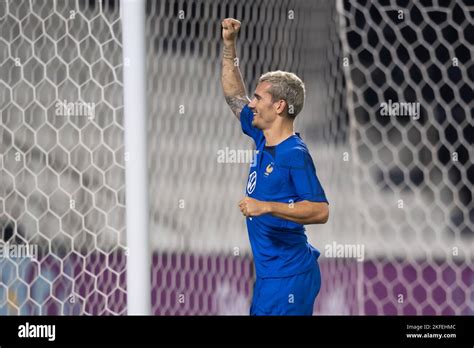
{"x":287,"y":86}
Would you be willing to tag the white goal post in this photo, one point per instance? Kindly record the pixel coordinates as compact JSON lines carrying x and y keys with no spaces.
{"x":136,"y":177}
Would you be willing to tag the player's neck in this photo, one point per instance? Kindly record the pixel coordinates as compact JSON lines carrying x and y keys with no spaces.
{"x":276,"y":135}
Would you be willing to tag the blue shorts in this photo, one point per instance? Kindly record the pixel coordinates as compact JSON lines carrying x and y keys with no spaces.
{"x":292,"y":295}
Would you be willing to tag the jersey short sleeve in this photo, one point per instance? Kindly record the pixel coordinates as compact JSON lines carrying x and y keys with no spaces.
{"x":305,"y":180}
{"x":246,"y":118}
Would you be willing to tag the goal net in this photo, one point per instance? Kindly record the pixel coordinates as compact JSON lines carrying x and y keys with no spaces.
{"x":62,"y":200}
{"x":400,"y":235}
{"x":412,"y":173}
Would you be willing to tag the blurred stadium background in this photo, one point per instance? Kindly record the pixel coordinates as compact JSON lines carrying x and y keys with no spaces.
{"x":400,"y":187}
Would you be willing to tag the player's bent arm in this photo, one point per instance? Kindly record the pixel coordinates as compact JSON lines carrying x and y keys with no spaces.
{"x":231,"y":78}
{"x":232,"y":82}
{"x":304,"y":212}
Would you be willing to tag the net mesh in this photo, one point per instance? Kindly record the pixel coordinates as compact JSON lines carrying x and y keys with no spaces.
{"x":412,"y":172}
{"x":62,"y":169}
{"x":399,"y":187}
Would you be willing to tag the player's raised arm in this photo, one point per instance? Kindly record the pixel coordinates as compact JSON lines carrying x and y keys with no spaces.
{"x":232,"y":83}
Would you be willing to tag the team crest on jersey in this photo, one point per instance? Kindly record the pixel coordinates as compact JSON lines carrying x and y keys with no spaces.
{"x":269,"y":169}
{"x":252,"y":182}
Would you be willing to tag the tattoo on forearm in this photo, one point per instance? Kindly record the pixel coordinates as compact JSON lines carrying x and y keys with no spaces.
{"x":236,"y":104}
{"x":228,"y":53}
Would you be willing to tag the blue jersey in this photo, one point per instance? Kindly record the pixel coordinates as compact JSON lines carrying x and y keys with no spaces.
{"x":284,"y":173}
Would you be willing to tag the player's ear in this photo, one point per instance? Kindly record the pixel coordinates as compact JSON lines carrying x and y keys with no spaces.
{"x":280,"y":106}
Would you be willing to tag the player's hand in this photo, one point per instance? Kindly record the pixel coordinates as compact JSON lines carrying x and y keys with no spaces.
{"x":230,"y":28}
{"x":252,"y":207}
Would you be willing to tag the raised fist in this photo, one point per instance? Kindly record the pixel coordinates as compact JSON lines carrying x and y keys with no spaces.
{"x":230,"y":28}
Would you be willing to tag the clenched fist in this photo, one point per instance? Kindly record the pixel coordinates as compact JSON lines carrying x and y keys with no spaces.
{"x":230,"y":28}
{"x":252,"y":207}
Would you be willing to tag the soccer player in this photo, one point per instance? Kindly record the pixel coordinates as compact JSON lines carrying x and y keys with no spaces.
{"x":283,"y":192}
